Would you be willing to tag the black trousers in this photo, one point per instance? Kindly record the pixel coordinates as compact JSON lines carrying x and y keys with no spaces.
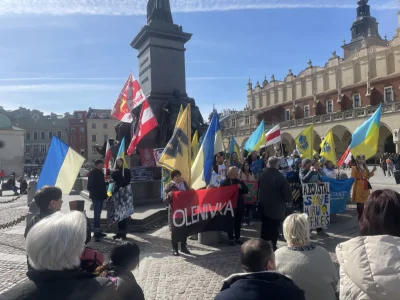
{"x":237,"y":223}
{"x":175,"y":242}
{"x":270,"y":230}
{"x":122,"y":225}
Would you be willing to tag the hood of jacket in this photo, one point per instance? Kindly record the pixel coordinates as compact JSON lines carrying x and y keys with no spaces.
{"x":369,"y":267}
{"x":260,"y":284}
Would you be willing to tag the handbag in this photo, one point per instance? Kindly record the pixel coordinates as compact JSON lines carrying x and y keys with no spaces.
{"x":91,"y":259}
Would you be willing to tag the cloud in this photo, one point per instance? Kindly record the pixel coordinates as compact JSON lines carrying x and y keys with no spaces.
{"x":138,"y":7}
{"x":40,"y":88}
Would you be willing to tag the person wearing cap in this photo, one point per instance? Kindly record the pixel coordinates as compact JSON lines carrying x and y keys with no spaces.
{"x":98,"y":193}
{"x":309,"y":174}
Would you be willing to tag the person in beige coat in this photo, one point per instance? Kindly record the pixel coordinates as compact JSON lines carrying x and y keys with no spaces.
{"x":370,"y":263}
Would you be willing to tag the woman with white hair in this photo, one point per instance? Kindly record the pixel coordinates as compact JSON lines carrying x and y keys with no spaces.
{"x":54,"y":246}
{"x":309,"y":266}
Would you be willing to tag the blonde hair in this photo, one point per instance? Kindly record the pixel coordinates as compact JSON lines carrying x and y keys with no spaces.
{"x":296,"y":230}
{"x":57,"y":242}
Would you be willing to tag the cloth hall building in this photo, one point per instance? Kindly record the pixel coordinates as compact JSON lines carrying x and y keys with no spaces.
{"x":339,"y":96}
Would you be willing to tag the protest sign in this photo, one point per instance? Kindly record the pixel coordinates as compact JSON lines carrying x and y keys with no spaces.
{"x":251,"y":197}
{"x":340,"y":193}
{"x":203,"y":210}
{"x":256,"y":167}
{"x":316,"y":199}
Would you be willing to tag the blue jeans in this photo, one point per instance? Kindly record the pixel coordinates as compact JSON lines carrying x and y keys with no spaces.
{"x":97,"y":207}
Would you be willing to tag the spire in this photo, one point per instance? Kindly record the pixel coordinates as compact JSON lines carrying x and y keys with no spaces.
{"x":249,"y":85}
{"x":365,"y":26}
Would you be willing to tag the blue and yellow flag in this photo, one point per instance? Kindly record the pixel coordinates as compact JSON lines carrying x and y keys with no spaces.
{"x":328,"y":149}
{"x":233,"y":147}
{"x":257,"y":139}
{"x":305,"y":142}
{"x":61,"y":167}
{"x":121,"y":154}
{"x":366,"y":137}
{"x":177,"y":153}
{"x":195,"y":145}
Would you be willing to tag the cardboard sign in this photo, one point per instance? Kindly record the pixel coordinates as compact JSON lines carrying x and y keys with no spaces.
{"x":317,"y":206}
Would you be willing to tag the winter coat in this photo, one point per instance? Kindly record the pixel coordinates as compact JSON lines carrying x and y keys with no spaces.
{"x":369,"y":268}
{"x":274,"y":192}
{"x":121,"y":180}
{"x":171,"y":187}
{"x":242,"y":191}
{"x":96,"y":185}
{"x":125,"y":283}
{"x":260,"y":285}
{"x":62,"y":285}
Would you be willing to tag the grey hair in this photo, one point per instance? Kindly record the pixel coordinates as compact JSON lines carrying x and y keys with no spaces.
{"x":57,"y":242}
{"x":273,"y":162}
{"x":296,"y":230}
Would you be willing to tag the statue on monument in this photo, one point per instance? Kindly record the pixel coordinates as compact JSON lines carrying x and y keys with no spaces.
{"x":159,"y":10}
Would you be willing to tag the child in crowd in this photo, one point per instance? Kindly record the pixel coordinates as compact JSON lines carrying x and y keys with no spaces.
{"x":124,"y":259}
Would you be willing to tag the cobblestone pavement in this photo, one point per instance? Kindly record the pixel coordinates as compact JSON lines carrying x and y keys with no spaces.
{"x":161,"y":275}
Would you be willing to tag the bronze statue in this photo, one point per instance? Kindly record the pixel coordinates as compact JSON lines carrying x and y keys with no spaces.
{"x":159,"y":10}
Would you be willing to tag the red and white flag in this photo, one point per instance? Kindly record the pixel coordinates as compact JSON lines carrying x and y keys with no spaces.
{"x":107,"y":158}
{"x":346,"y":158}
{"x":130,"y":97}
{"x":273,"y":136}
{"x":147,"y":122}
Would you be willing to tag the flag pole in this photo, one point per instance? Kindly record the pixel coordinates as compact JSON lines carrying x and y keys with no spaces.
{"x":189,"y":121}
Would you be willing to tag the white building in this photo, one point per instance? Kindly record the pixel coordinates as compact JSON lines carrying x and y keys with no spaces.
{"x":11,"y":147}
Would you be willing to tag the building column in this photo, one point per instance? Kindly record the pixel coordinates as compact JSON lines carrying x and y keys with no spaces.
{"x":397,"y":147}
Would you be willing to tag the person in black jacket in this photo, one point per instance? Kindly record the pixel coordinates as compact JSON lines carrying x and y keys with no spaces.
{"x":54,"y":246}
{"x":121,"y":177}
{"x":239,"y":211}
{"x":97,"y":192}
{"x":124,"y":259}
{"x":273,"y":193}
{"x":260,"y":281}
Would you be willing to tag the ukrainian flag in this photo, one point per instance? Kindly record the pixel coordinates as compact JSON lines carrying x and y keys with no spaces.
{"x":212,"y":144}
{"x":176,"y":155}
{"x":195,"y":145}
{"x":121,"y":154}
{"x":61,"y":167}
{"x":366,"y":137}
{"x":305,"y":142}
{"x":257,"y":139}
{"x":233,"y":146}
{"x":328,"y":149}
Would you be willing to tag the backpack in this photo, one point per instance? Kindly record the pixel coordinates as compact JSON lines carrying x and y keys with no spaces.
{"x":91,"y":259}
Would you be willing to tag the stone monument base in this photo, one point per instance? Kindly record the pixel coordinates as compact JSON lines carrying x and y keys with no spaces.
{"x":210,"y":238}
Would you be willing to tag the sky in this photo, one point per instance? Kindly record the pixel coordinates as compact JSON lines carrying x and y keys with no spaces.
{"x":65,"y":55}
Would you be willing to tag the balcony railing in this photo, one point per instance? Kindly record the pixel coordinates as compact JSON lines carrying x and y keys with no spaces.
{"x":387,"y":108}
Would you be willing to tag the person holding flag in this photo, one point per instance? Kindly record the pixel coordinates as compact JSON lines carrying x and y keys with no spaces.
{"x":234,"y":153}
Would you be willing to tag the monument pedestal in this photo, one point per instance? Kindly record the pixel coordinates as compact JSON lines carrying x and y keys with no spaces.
{"x":210,"y":238}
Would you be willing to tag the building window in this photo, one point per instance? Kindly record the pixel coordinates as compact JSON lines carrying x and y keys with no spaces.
{"x":94,"y":150}
{"x":233,"y":122}
{"x":35,"y":135}
{"x":35,"y":149}
{"x":105,"y":126}
{"x":28,"y":136}
{"x":28,"y":149}
{"x":43,"y":148}
{"x":59,"y":134}
{"x":356,"y":101}
{"x":82,"y":140}
{"x":94,"y":139}
{"x":82,"y":129}
{"x":105,"y":137}
{"x":50,"y":135}
{"x":388,"y":94}
{"x":306,"y":111}
{"x":329,"y":106}
{"x":93,"y":125}
{"x":247,"y":120}
{"x":287,"y":115}
{"x":73,"y":140}
{"x":73,"y":130}
{"x":79,"y":115}
{"x":93,"y":115}
{"x":42,"y":135}
{"x":104,"y":116}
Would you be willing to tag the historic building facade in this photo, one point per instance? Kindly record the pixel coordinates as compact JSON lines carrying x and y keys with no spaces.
{"x":100,"y":127}
{"x":338,"y":96}
{"x":77,"y":136}
{"x":39,"y":130}
{"x":11,"y":147}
